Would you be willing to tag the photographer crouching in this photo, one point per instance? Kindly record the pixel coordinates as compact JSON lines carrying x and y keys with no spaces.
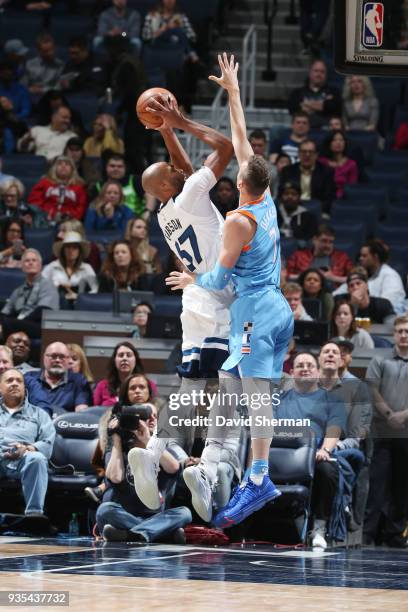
{"x":125,"y":518}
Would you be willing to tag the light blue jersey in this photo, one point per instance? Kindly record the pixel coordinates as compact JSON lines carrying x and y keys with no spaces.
{"x":259,"y":263}
{"x":261,"y":319}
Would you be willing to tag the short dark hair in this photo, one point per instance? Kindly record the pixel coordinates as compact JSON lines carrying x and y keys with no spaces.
{"x":325,"y":230}
{"x":258,"y":134}
{"x":379,"y":248}
{"x":306,"y":353}
{"x":78,"y":41}
{"x":256,"y":175}
{"x":308,"y":141}
{"x":300,"y":114}
{"x":326,"y":343}
{"x":144,"y":304}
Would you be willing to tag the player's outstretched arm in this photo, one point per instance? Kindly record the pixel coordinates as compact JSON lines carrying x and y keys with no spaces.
{"x":178,"y":155}
{"x":229,"y":81}
{"x":223,"y":151}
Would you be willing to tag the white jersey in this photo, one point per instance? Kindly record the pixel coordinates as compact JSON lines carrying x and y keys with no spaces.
{"x":192,"y":227}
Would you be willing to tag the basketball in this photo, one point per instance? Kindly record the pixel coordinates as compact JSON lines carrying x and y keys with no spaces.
{"x":149,"y":119}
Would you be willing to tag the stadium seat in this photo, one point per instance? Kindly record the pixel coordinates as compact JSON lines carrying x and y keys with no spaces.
{"x":392,"y":234}
{"x":169,"y":305}
{"x":100,"y":302}
{"x":64,"y":27}
{"x":401,"y":195}
{"x":344,"y":213}
{"x":318,"y":136}
{"x":381,"y":342}
{"x":86,"y":105}
{"x":397,"y":215}
{"x":104,"y":237}
{"x":291,"y":467}
{"x":313,"y":206}
{"x":21,"y":165}
{"x":366,"y":141}
{"x":376,"y":194}
{"x":75,"y":442}
{"x":348,"y":247}
{"x":385,"y":162}
{"x":350,"y":233}
{"x":388,"y":92}
{"x":24,"y":25}
{"x":41,"y":239}
{"x":10,"y":279}
{"x":393,"y":180}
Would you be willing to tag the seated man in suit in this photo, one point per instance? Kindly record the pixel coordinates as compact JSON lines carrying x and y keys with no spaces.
{"x":316,"y":180}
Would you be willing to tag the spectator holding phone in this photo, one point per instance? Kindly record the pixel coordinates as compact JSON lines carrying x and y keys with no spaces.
{"x":12,"y":244}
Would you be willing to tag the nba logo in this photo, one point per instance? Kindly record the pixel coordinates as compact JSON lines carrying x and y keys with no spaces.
{"x":373,"y":21}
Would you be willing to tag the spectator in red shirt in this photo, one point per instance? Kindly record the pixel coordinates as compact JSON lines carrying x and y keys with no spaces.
{"x":61,"y":194}
{"x":333,"y":264}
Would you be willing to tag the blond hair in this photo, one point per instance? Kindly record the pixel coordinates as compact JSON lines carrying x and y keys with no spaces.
{"x":52,"y":172}
{"x":368,"y":87}
{"x":13,"y":182}
{"x":84,"y":365}
{"x":401,"y":319}
{"x":99,"y":202}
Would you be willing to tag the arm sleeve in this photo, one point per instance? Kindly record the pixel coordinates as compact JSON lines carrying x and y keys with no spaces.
{"x":8,"y":307}
{"x":37,"y":194}
{"x":97,"y":394}
{"x":83,"y":392}
{"x":134,"y":25}
{"x":104,"y":24}
{"x":374,"y":112}
{"x":218,"y":278}
{"x":46,"y":434}
{"x":195,"y":198}
{"x":374,"y":372}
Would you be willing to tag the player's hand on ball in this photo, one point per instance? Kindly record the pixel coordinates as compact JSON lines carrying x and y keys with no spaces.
{"x":168,"y":110}
{"x":179,"y":280}
{"x":229,"y":73}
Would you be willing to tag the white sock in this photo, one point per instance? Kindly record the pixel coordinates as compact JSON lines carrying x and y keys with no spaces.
{"x":210,"y":459}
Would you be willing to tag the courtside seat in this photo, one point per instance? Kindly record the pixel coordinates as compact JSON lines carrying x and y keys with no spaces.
{"x":101,"y":302}
{"x":291,"y":467}
{"x":71,"y":462}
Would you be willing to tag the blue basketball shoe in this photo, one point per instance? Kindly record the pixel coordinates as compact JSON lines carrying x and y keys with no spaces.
{"x":251,"y":499}
{"x":220,"y":516}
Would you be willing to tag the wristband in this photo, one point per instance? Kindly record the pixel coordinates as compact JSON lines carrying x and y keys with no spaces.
{"x":218,"y":278}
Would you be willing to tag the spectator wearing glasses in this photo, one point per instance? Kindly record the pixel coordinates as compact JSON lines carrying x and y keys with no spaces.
{"x":316,"y":181}
{"x":13,"y":206}
{"x":55,"y":388}
{"x":332,"y":263}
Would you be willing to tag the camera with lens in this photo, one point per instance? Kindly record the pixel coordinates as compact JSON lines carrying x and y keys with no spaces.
{"x":129,"y":418}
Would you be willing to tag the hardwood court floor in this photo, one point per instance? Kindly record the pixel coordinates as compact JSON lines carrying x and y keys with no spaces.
{"x":190,"y":579}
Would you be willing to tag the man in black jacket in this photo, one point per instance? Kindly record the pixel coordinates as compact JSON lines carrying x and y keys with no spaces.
{"x":316,"y":180}
{"x":293,"y":219}
{"x":316,"y":98}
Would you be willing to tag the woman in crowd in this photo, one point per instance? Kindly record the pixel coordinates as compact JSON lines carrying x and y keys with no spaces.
{"x":137,"y":234}
{"x":104,"y":136}
{"x":314,"y":286}
{"x":125,"y":360}
{"x":12,"y":244}
{"x":343,"y":323}
{"x":108,"y":211}
{"x":121,"y":269}
{"x":12,"y":205}
{"x":224,"y":195}
{"x":69,"y":272}
{"x":360,"y":105}
{"x":78,"y":363}
{"x":73,"y":225}
{"x":61,"y":194}
{"x":140,"y":318}
{"x":135,"y":389}
{"x":87,"y":169}
{"x":335,"y":156}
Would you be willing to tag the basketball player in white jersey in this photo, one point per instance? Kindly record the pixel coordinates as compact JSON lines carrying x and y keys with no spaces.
{"x":192,"y":227}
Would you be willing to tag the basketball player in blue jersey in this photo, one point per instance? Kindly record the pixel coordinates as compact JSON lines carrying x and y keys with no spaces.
{"x":261,"y":319}
{"x":192,"y":227}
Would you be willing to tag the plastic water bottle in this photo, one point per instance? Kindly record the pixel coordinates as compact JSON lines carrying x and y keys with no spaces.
{"x":73,"y":528}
